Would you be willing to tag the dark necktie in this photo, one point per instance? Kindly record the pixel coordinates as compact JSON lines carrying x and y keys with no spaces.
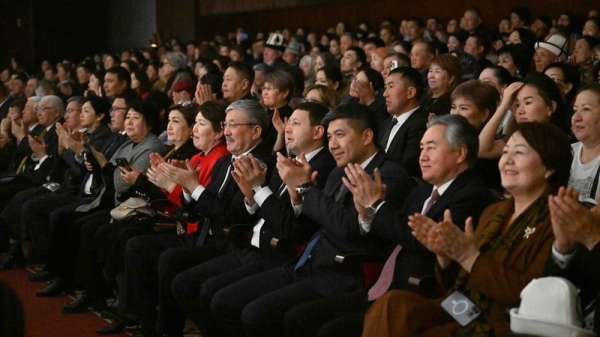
{"x":388,"y":132}
{"x":387,"y":273}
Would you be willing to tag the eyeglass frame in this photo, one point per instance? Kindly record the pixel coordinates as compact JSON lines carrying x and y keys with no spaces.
{"x":115,"y":108}
{"x":231,"y":125}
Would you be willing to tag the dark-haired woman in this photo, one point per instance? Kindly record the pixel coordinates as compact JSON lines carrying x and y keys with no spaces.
{"x":537,"y":100}
{"x":444,"y":75}
{"x":140,"y":83}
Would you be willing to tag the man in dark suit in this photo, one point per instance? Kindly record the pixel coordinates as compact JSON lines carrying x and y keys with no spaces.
{"x":194,"y":288}
{"x":258,"y":303}
{"x":449,"y":150}
{"x":219,"y":205}
{"x":402,"y":132}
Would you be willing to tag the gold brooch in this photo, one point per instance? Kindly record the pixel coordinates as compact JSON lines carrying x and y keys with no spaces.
{"x":528,"y":232}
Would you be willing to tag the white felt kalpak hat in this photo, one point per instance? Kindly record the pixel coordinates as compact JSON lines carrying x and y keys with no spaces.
{"x":556,"y":44}
{"x":549,"y":307}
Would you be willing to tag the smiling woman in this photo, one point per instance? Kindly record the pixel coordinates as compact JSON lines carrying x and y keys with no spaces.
{"x":586,"y":127}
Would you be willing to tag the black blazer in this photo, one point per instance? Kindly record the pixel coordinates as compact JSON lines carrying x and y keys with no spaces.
{"x":405,"y":147}
{"x":278,"y":212}
{"x":467,"y":196}
{"x":339,"y":225}
{"x":227,"y":208}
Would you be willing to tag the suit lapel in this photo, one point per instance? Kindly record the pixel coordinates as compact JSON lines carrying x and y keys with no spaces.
{"x":442,"y":204}
{"x":406,"y":125}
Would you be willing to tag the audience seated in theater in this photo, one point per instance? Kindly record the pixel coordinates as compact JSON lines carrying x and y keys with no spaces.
{"x":492,"y":264}
{"x":193,"y":289}
{"x":257,"y":304}
{"x":220,"y":205}
{"x":37,"y":152}
{"x":35,"y":212}
{"x":450,"y":185}
{"x":104,"y":247}
{"x":99,"y":190}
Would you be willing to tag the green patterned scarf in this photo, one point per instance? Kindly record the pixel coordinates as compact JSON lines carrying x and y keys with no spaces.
{"x":491,"y":240}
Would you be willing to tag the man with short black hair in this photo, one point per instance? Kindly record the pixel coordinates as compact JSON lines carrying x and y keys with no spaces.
{"x":352,"y":62}
{"x":478,"y":45}
{"x":117,"y":81}
{"x":237,"y":81}
{"x":402,"y":132}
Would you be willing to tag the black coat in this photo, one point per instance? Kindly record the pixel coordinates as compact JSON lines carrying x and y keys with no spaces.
{"x":339,"y":230}
{"x":405,"y":147}
{"x":467,"y":196}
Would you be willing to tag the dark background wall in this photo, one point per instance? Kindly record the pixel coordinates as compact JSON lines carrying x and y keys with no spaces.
{"x":73,"y":29}
{"x":325,"y":13}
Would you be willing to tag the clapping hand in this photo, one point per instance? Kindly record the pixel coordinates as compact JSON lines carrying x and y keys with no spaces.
{"x":572,"y":222}
{"x":186,"y":177}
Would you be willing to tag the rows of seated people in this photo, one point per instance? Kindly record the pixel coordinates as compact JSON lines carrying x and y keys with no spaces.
{"x":250,"y":190}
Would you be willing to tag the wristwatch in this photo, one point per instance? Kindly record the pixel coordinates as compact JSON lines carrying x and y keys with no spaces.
{"x":302,"y":189}
{"x":370,"y":210}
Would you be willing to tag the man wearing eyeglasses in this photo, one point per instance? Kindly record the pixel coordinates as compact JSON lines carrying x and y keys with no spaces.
{"x":219,"y":205}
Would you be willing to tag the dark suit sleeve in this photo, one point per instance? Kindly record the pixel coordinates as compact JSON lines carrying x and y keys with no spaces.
{"x":468,"y":201}
{"x":412,"y":150}
{"x":342,"y":220}
{"x":230,"y":208}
